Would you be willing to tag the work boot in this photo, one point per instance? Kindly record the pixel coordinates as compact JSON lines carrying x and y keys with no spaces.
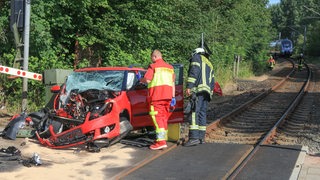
{"x":158,"y":145}
{"x":191,"y":142}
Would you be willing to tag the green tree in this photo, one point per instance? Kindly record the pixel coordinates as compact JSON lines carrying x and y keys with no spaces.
{"x":72,"y":34}
{"x":293,"y":17}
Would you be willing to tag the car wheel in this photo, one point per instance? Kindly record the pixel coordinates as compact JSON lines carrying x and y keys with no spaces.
{"x":125,"y":128}
{"x":57,"y":128}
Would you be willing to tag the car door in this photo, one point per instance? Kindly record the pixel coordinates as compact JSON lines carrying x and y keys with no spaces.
{"x":140,"y":108}
{"x":137,"y":96}
{"x":177,"y":112}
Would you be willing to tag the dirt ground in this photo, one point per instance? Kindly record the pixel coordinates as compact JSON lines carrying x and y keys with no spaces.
{"x":66,"y":164}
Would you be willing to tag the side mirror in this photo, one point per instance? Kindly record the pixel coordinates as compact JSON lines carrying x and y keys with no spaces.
{"x":55,"y":89}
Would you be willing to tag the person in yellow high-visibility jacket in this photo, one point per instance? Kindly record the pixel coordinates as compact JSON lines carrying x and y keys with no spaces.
{"x":160,"y":78}
{"x":271,"y":63}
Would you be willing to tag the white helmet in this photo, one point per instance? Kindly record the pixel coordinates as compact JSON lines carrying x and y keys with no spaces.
{"x":197,"y":50}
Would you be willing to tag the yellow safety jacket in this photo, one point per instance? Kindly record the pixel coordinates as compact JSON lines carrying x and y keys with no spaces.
{"x":162,"y":77}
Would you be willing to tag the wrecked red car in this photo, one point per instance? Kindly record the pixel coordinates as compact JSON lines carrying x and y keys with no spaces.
{"x":100,"y":105}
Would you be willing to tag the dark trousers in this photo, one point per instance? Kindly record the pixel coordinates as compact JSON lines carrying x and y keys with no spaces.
{"x":198,"y":120}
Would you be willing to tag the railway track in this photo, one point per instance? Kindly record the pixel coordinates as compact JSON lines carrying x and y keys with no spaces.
{"x":247,"y":124}
{"x":256,"y":122}
{"x":303,"y":125}
{"x":250,"y":89}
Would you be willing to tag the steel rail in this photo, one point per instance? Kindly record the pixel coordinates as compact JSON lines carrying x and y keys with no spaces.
{"x":252,"y":151}
{"x":147,"y":160}
{"x":215,"y":123}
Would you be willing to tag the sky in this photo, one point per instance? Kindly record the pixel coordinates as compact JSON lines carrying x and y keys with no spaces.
{"x":274,"y":1}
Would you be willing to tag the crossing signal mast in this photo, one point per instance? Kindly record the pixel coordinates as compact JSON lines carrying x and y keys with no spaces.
{"x":20,"y":22}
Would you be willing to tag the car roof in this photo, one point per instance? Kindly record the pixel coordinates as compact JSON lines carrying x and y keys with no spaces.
{"x":109,"y":69}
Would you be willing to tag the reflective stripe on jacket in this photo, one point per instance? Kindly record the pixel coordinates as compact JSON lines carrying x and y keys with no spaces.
{"x":200,"y":75}
{"x":161,"y":75}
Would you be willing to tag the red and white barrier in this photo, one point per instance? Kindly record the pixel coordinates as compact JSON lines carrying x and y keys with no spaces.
{"x":20,"y":73}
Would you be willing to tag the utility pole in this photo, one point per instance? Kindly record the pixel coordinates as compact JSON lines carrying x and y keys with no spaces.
{"x":305,"y":27}
{"x":279,"y":36}
{"x":202,"y":41}
{"x":26,"y":53}
{"x":304,"y":38}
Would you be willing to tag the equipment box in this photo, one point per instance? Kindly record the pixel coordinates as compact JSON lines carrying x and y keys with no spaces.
{"x":56,"y":76}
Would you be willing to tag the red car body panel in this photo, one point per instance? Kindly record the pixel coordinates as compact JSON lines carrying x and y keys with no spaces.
{"x":128,"y":103}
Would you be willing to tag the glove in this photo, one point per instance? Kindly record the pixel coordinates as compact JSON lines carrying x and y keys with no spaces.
{"x":138,"y":75}
{"x":173,"y":101}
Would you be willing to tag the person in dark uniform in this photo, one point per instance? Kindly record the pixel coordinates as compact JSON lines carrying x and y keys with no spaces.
{"x":300,"y":62}
{"x":200,"y":84}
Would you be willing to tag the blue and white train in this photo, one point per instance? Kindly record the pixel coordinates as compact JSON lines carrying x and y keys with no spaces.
{"x":282,"y":47}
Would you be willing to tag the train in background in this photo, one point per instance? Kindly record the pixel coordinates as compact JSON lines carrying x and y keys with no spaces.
{"x":281,"y":48}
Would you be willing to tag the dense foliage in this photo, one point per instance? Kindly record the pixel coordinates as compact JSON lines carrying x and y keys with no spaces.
{"x":67,"y":34}
{"x":296,"y":18}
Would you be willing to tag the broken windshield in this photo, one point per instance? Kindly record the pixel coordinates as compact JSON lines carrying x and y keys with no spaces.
{"x":100,"y":80}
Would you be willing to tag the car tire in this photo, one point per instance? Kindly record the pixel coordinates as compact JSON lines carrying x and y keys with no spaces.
{"x":57,"y":128}
{"x":125,"y":128}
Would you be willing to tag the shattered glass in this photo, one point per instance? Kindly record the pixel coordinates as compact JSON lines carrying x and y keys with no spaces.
{"x":99,"y":80}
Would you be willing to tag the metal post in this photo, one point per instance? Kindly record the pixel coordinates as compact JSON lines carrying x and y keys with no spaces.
{"x":18,"y":59}
{"x":202,"y":41}
{"x":304,"y":38}
{"x":26,"y":53}
{"x":234,"y":66}
{"x":238,"y":62}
